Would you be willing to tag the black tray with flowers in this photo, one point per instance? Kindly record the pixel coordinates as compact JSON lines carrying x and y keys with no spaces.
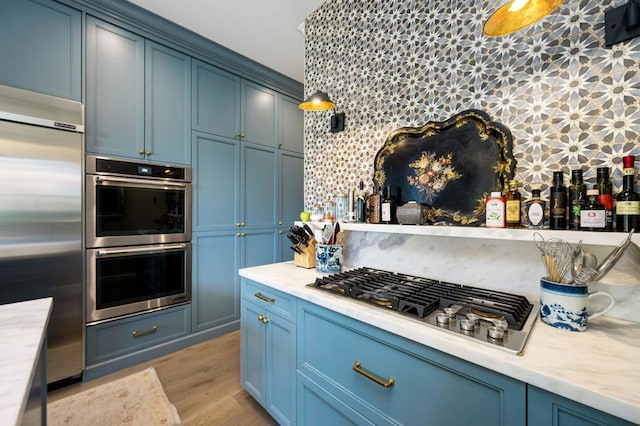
{"x":449,"y":166}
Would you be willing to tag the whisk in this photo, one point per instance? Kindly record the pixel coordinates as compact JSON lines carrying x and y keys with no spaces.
{"x":557,"y":256}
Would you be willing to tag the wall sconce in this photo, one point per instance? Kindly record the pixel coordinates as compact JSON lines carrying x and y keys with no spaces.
{"x":320,"y":101}
{"x":518,"y":14}
{"x":621,"y":23}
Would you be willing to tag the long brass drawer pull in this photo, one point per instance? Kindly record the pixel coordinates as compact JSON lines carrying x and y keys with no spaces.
{"x":384,"y":383}
{"x":265,"y":298}
{"x":142,"y":333}
{"x":263,"y":319}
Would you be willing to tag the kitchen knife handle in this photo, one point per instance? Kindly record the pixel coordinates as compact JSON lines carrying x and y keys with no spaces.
{"x":265,"y":298}
{"x":357,"y":367}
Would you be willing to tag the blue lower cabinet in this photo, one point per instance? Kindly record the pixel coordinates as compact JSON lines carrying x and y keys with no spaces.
{"x":117,"y":338}
{"x":546,"y":408}
{"x":268,"y":350}
{"x":390,"y":380}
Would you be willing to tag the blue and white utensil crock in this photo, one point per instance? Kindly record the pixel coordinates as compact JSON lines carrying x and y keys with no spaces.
{"x":329,"y":258}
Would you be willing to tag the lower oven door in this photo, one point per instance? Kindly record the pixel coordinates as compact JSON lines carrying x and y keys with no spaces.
{"x":129,"y":280}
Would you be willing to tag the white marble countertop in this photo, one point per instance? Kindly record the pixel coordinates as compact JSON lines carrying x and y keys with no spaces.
{"x":599,"y":368}
{"x":23,"y":328}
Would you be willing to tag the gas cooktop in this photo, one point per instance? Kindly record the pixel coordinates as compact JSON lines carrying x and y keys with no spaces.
{"x":501,"y":320}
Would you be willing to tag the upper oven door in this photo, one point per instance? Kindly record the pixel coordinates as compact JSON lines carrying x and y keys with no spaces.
{"x":129,"y":211}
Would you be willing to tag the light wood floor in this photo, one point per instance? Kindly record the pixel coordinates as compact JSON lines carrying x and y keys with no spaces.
{"x":202,"y":381}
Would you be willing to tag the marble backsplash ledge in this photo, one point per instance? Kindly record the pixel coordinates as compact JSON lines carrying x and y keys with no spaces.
{"x":511,"y":266}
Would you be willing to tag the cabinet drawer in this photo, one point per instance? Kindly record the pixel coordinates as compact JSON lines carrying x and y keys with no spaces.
{"x":116,"y":338}
{"x":270,"y":299}
{"x":393,"y":384}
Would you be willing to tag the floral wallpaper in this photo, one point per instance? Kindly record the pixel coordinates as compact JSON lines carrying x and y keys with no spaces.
{"x":568,"y":101}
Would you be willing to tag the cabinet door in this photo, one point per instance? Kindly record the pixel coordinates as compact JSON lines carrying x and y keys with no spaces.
{"x":259,"y":247}
{"x":284,"y":249}
{"x":546,"y":408}
{"x":280,"y":369}
{"x":215,"y":284}
{"x":258,"y":114}
{"x":215,"y":101}
{"x":167,"y":105}
{"x":290,"y":125}
{"x":216,"y":182}
{"x":41,"y":47}
{"x":253,"y":363}
{"x":291,"y":187}
{"x":115,"y":106}
{"x":259,"y":184}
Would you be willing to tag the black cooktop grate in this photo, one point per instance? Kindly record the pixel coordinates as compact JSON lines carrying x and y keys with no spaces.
{"x":421,"y":296}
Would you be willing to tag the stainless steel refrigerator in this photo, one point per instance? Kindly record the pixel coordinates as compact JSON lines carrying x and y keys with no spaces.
{"x":41,"y":149}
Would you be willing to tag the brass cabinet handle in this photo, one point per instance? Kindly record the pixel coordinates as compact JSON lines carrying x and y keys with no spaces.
{"x":238,"y":224}
{"x":142,"y":333}
{"x":148,"y":153}
{"x":263,"y":297}
{"x":384,"y":383}
{"x":238,"y":234}
{"x":263,"y":319}
{"x":280,"y":232}
{"x":141,"y":152}
{"x":240,"y":135}
{"x":243,"y":234}
{"x":241,"y":223}
{"x":280,"y":223}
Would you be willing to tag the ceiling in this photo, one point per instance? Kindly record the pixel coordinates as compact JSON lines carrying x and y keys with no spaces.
{"x":263,"y":30}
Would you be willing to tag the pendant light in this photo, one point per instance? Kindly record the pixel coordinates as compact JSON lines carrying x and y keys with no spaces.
{"x":320,"y":101}
{"x":518,"y":14}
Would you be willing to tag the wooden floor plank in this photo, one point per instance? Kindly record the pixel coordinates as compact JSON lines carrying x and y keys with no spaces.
{"x":202,"y":381}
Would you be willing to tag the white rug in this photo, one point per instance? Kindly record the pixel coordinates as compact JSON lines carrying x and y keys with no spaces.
{"x":134,"y":400}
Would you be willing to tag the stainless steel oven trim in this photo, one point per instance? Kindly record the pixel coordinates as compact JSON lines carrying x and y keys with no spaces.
{"x":91,"y":161}
{"x":140,"y":183}
{"x":95,"y":316}
{"x":92,"y":240}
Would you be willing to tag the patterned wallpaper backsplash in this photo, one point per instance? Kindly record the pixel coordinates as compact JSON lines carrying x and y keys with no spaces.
{"x":568,"y":101}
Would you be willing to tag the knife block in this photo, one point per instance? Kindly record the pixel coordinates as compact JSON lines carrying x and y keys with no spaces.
{"x":308,"y":257}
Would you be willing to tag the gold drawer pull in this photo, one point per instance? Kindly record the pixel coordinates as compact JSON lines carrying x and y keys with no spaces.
{"x":266,"y":299}
{"x":384,"y":383}
{"x":263,"y":319}
{"x":142,"y":333}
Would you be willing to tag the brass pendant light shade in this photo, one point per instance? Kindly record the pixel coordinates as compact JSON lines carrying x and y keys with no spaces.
{"x":518,"y":14}
{"x":319,"y":101}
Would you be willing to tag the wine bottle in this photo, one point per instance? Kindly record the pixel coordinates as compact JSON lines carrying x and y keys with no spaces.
{"x":388,"y":207}
{"x":558,"y":200}
{"x":513,"y":205}
{"x":628,"y":201}
{"x":605,"y":195}
{"x":577,"y":198}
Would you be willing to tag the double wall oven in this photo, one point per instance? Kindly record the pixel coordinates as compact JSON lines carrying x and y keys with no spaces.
{"x":138,"y":237}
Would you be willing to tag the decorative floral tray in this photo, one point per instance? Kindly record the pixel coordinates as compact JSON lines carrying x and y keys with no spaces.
{"x":449,"y":166}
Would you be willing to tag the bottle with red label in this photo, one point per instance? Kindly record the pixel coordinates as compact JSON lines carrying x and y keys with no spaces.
{"x":628,"y":201}
{"x":605,"y":195}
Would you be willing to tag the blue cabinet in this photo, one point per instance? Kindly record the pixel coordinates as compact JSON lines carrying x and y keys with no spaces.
{"x":268,"y":353}
{"x":146,"y":111}
{"x":41,"y":47}
{"x":546,"y":408}
{"x":390,"y":380}
{"x":259,"y":186}
{"x":290,"y":125}
{"x":258,"y":116}
{"x":291,"y":187}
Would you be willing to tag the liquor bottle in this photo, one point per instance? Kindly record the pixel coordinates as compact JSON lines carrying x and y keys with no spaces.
{"x":628,"y":201}
{"x":577,"y":198}
{"x":388,"y":207}
{"x":593,"y":216}
{"x":375,"y":199}
{"x":535,"y":210}
{"x":513,"y":205}
{"x":605,"y":195}
{"x":558,"y":200}
{"x":361,"y":204}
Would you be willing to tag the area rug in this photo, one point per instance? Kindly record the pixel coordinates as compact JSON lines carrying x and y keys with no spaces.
{"x":134,"y":400}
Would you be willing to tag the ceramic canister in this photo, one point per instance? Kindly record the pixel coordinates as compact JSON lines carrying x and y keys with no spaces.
{"x":566,"y":306}
{"x":329,"y":258}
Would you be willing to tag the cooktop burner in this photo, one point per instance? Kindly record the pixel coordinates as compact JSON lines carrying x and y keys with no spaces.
{"x":495,"y":318}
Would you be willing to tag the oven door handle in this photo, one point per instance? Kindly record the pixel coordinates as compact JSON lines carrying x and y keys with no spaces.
{"x":137,"y":250}
{"x":139,"y":182}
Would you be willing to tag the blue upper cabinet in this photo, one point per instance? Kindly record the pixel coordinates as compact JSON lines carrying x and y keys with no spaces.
{"x":41,"y":47}
{"x":138,"y":97}
{"x":215,"y":101}
{"x":115,"y":105}
{"x":290,"y":125}
{"x":258,"y":114}
{"x":291,"y":187}
{"x":167,"y":105}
